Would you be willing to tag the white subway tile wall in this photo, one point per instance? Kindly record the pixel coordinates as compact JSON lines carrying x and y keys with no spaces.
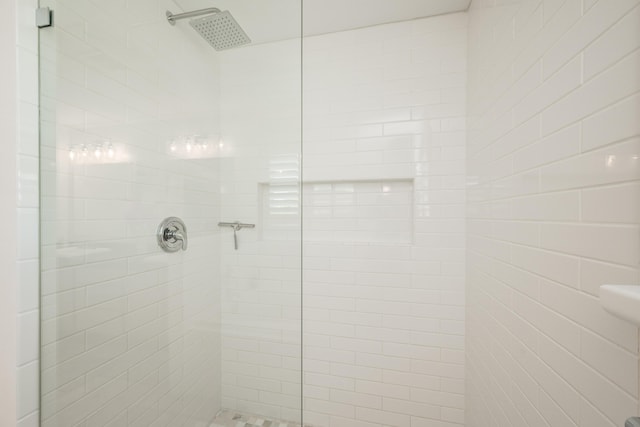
{"x":553,"y":206}
{"x":553,"y":202}
{"x":130,"y":334}
{"x":383,"y":225}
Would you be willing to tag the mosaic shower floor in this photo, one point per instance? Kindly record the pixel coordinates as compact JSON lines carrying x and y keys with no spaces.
{"x":226,"y":418}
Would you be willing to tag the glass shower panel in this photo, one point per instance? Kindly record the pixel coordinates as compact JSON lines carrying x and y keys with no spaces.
{"x":134,"y":130}
{"x":260,"y":184}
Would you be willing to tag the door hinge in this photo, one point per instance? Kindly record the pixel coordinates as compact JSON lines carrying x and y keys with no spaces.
{"x":44,"y":17}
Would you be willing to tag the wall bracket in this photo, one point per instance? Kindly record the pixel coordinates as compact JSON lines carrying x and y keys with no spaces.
{"x":44,"y":17}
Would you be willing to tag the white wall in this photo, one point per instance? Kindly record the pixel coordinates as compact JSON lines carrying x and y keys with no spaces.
{"x":130,"y":334}
{"x":8,"y":217}
{"x":384,"y":135}
{"x":554,"y":211}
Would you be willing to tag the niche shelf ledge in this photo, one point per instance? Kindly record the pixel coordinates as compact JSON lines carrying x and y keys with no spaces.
{"x":622,"y":301}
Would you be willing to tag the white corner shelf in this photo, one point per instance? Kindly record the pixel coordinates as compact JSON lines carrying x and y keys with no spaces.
{"x":622,"y":301}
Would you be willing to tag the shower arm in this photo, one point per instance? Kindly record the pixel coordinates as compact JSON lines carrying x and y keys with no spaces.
{"x":173,"y":18}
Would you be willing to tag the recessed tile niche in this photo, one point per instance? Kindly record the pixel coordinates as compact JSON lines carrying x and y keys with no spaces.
{"x":343,"y":211}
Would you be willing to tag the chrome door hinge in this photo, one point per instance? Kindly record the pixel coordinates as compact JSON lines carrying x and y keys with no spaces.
{"x":44,"y":17}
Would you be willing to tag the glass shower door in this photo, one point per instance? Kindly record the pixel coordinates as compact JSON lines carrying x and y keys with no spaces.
{"x":134,"y":130}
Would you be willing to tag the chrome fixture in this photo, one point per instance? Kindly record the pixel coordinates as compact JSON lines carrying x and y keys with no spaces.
{"x":632,"y":422}
{"x":237,"y":226}
{"x":172,"y":234}
{"x":173,"y":18}
{"x":218,"y":28}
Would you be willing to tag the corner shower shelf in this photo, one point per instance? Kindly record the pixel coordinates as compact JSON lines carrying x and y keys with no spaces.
{"x":622,"y":301}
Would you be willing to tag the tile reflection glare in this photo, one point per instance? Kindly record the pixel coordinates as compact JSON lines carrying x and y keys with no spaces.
{"x":194,"y":147}
{"x":92,"y":152}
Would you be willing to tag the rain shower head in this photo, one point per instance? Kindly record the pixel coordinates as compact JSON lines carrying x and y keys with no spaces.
{"x":221,"y":31}
{"x":216,"y":27}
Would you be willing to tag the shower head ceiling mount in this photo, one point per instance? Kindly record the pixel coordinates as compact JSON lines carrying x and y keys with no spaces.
{"x":218,"y":28}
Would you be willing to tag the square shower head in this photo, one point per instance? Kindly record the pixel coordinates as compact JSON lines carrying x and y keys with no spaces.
{"x":221,"y":31}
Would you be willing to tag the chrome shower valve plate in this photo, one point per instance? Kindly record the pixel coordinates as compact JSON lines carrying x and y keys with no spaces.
{"x":172,"y":234}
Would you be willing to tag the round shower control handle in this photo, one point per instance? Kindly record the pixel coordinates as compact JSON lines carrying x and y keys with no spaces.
{"x":172,"y":234}
{"x":175,"y":236}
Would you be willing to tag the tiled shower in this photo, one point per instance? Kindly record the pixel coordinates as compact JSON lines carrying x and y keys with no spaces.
{"x":436,"y":200}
